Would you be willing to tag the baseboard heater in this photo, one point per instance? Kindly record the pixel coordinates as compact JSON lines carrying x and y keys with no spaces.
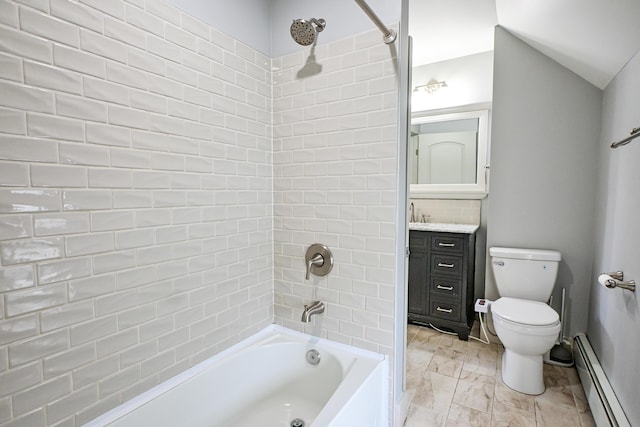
{"x":602,"y":400}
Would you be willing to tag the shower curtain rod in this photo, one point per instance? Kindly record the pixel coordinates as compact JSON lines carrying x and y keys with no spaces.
{"x":389,"y":35}
{"x":634,"y":134}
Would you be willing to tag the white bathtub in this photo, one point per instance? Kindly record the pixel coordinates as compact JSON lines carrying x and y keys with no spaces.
{"x":266,"y":381}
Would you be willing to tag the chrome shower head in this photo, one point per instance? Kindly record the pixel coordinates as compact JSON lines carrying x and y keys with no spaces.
{"x":304,"y":32}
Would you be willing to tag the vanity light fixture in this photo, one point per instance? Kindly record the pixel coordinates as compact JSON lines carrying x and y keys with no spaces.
{"x":431,"y":86}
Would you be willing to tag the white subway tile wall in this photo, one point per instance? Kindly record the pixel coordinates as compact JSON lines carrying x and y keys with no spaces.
{"x":136,"y":223}
{"x":335,"y":165}
{"x":447,"y":211}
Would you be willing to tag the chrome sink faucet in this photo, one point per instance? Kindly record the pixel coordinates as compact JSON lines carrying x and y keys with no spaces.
{"x":316,"y":307}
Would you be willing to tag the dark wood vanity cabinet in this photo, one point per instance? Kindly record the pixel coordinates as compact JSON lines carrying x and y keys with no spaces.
{"x":441,"y":272}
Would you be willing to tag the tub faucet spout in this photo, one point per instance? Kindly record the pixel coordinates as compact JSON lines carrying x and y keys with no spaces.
{"x":316,"y":307}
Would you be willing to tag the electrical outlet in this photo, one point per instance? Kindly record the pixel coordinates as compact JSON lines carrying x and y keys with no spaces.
{"x":482,"y":305}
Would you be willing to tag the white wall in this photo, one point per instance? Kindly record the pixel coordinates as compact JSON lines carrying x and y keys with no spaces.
{"x":335,"y":162}
{"x":344,"y":18}
{"x":137,"y":198}
{"x":264,"y":24}
{"x":614,"y":315}
{"x":546,"y":127}
{"x":469,"y":80}
{"x":135,"y":202}
{"x":248,"y":21}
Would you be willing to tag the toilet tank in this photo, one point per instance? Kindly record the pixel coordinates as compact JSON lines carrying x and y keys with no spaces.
{"x":525,"y":273}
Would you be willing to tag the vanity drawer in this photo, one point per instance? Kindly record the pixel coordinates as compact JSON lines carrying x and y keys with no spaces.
{"x":445,"y":286}
{"x":419,"y":240}
{"x":443,"y":309}
{"x":445,"y":242}
{"x":446,"y":264}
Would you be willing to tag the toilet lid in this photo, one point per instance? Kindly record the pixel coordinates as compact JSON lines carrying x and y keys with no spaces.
{"x":527,"y":312}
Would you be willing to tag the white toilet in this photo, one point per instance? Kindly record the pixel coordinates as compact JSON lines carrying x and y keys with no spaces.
{"x":525,"y":324}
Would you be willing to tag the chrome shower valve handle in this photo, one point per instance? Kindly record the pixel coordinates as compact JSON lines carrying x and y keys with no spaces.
{"x":319,"y":260}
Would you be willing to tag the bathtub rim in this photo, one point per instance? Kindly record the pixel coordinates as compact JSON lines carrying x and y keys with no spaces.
{"x":264,"y":335}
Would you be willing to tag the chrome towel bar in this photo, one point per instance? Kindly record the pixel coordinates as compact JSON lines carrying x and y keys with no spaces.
{"x":635,"y":132}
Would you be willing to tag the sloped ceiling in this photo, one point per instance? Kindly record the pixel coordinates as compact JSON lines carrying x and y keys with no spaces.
{"x":448,"y":29}
{"x":593,"y":38}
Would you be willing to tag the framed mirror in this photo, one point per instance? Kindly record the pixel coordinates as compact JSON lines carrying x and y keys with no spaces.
{"x":448,"y":155}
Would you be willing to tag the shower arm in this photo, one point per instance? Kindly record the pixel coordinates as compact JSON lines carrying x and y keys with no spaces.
{"x":389,"y":35}
{"x":320,"y":24}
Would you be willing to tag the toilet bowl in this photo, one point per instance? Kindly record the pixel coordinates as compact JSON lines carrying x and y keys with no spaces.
{"x":525,"y":324}
{"x":527,"y":329}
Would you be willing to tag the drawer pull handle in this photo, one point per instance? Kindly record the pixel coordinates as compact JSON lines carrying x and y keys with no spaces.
{"x":441,"y":264}
{"x":447,"y":245}
{"x":445,"y":288}
{"x":444,"y":310}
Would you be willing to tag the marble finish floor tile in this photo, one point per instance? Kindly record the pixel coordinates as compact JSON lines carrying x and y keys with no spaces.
{"x":435,"y":392}
{"x":447,"y":361}
{"x":586,"y":418}
{"x":549,"y":414}
{"x":483,"y":361}
{"x":426,"y":339}
{"x":475,"y":391}
{"x":508,"y":416}
{"x":459,"y":383}
{"x":462,"y":416}
{"x":416,"y":363}
{"x":511,"y":398}
{"x":412,"y":331}
{"x":423,"y":417}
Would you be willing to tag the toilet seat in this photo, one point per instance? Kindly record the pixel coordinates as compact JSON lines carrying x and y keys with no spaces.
{"x":529,"y":330}
{"x":525,"y":317}
{"x":525,"y":312}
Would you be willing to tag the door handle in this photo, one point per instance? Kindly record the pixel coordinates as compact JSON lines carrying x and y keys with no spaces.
{"x":445,"y":288}
{"x":444,"y":310}
{"x":446,"y":245}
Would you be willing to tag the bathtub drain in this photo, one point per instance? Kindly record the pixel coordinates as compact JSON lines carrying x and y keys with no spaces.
{"x":313,"y":357}
{"x":297,"y":423}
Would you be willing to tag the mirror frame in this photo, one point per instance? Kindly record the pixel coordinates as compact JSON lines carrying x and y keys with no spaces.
{"x":480,"y":189}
